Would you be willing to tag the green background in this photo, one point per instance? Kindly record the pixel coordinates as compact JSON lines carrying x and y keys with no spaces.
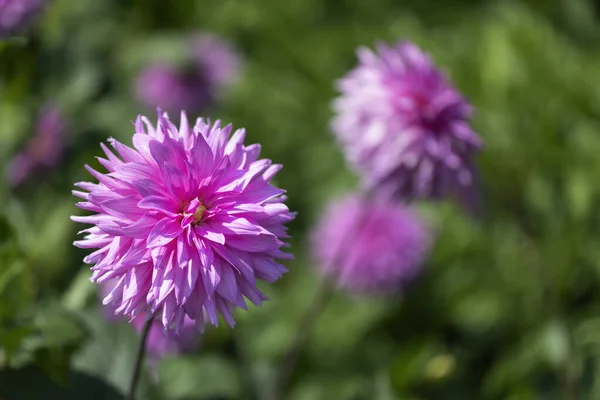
{"x":508,"y":305}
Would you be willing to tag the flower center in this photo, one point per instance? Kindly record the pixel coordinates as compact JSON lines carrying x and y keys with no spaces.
{"x":199,"y":213}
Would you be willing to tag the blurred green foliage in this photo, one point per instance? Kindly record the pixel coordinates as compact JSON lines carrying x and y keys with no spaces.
{"x":508,"y":306}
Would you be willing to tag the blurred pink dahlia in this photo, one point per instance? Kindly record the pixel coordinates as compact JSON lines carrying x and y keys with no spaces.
{"x":212,"y":65}
{"x":43,"y":151}
{"x":172,"y":88}
{"x":186,"y":222}
{"x":369,"y":246}
{"x":17,"y":15}
{"x":216,"y":58}
{"x":404,"y":127}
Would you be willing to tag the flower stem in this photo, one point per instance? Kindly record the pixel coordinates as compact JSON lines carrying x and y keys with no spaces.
{"x":137,"y":369}
{"x":568,"y":373}
{"x":322,"y":297}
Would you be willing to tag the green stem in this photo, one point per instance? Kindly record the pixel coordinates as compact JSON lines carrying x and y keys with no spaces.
{"x":137,"y":369}
{"x":307,"y":322}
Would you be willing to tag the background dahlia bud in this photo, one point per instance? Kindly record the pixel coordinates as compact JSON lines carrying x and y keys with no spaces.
{"x":43,"y":151}
{"x":172,"y":88}
{"x":369,"y":246}
{"x":404,"y":127}
{"x":17,"y":15}
{"x":212,"y":66}
{"x":219,"y":62}
{"x":186,"y":222}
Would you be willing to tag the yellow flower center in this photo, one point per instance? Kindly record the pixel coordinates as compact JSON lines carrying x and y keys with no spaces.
{"x":199,"y":213}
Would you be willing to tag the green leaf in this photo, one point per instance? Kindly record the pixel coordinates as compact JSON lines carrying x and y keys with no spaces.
{"x":326,"y":388}
{"x":540,"y":351}
{"x":54,"y":229}
{"x":580,"y":191}
{"x":110,"y":353}
{"x":59,"y":327}
{"x":9,"y":274}
{"x":479,"y":311}
{"x":58,"y":335}
{"x":187,"y":378}
{"x":80,"y":292}
{"x":11,"y":339}
{"x":411,"y":363}
{"x":556,"y":343}
{"x":343,"y":323}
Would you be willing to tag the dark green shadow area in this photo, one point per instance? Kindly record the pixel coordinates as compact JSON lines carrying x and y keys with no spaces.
{"x":31,"y":384}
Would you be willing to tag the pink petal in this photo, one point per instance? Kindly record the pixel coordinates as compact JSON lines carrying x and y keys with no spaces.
{"x":125,"y":207}
{"x":228,"y":285}
{"x":141,"y":228}
{"x":163,"y":204}
{"x":164,"y":232}
{"x":205,"y":231}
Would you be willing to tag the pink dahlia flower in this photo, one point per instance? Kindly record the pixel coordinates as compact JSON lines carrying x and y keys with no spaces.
{"x":43,"y":151}
{"x":404,"y":127}
{"x":369,"y":246}
{"x":16,"y":15}
{"x":186,"y":222}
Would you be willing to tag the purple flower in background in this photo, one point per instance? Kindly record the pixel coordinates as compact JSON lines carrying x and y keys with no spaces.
{"x":369,"y":246}
{"x":213,"y":66}
{"x":186,"y":222}
{"x":43,"y":151}
{"x":172,"y":88}
{"x":404,"y":127}
{"x":17,"y":15}
{"x":216,"y":58}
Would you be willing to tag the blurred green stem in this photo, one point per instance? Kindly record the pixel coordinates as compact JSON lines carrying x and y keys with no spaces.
{"x":245,"y":367}
{"x":322,"y":297}
{"x":307,"y":322}
{"x":137,"y":369}
{"x":569,"y":375}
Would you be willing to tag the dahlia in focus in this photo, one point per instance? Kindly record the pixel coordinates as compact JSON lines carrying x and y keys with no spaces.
{"x":43,"y":151}
{"x":17,"y":15}
{"x":404,"y":127}
{"x":369,"y":246}
{"x":186,"y":222}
